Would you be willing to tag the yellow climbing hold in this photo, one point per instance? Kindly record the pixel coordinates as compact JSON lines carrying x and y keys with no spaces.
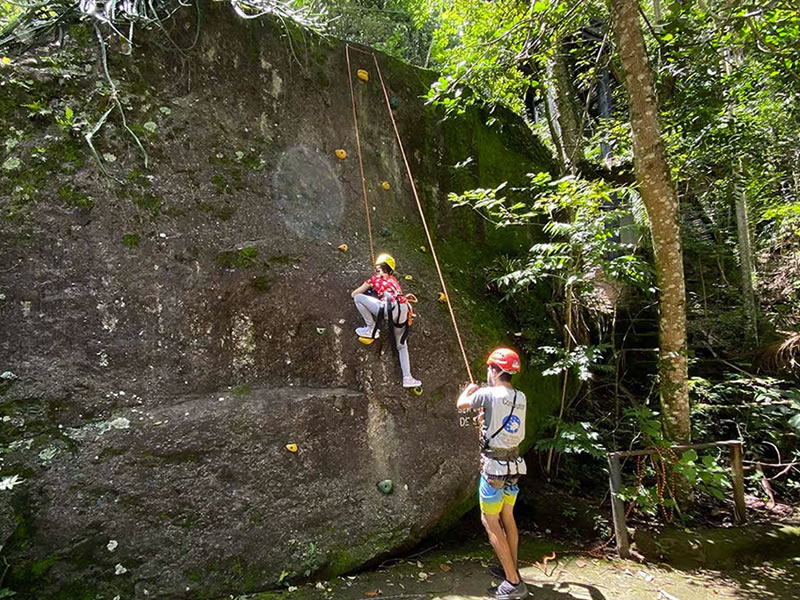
{"x":344,"y":247}
{"x":408,"y":278}
{"x":423,"y":249}
{"x":341,"y":153}
{"x":291,"y":447}
{"x":442,"y":297}
{"x":366,"y":340}
{"x":385,"y":185}
{"x":362,"y":75}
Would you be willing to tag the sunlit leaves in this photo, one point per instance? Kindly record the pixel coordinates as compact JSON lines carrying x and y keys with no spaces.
{"x":574,"y":438}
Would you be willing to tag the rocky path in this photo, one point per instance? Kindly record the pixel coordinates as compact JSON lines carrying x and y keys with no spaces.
{"x":457,"y":571}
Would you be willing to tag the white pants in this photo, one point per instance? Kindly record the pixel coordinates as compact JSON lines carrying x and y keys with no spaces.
{"x":369,"y":306}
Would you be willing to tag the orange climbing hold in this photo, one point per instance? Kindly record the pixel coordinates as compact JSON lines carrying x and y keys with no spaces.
{"x":341,"y":153}
{"x":362,"y":75}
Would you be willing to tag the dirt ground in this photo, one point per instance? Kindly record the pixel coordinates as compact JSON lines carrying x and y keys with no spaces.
{"x":457,"y":571}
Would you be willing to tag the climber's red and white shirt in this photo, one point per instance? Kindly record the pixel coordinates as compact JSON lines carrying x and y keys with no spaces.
{"x":386,"y":284}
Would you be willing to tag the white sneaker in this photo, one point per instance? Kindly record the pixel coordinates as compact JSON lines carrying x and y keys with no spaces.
{"x":366,"y":332}
{"x":410,"y":382}
{"x":508,"y":591}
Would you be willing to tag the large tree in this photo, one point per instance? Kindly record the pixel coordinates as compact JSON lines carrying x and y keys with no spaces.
{"x":661,"y":202}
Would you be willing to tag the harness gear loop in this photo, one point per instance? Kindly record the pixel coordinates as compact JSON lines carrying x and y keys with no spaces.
{"x":386,"y":311}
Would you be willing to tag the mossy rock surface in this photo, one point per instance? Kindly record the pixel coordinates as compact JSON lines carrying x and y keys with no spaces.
{"x":173,"y":328}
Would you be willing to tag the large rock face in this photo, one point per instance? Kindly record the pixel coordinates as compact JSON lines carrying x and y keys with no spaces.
{"x":166,"y":332}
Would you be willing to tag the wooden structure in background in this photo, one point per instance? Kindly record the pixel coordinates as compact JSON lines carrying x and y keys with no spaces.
{"x":615,"y":482}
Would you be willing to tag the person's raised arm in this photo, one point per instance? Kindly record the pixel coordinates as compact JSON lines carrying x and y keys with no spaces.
{"x":360,"y":289}
{"x":464,"y":401}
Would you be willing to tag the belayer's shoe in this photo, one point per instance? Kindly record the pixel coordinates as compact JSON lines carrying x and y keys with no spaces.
{"x":410,"y":382}
{"x":499,"y":572}
{"x":366,"y":332}
{"x":508,"y":591}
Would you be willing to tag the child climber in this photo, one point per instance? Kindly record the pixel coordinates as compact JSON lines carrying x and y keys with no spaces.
{"x":380,"y":297}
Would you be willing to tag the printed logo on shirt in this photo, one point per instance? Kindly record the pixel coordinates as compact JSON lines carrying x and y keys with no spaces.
{"x":512,"y":424}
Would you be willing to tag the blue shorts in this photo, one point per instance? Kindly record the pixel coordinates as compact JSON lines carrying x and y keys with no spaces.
{"x":493,"y":499}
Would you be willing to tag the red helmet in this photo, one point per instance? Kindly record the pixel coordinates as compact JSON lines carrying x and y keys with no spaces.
{"x":505,"y":359}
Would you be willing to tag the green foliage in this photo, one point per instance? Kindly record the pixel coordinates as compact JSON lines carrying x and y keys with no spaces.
{"x":707,"y":475}
{"x":762,"y":411}
{"x":75,"y":199}
{"x":731,"y":90}
{"x":241,"y":258}
{"x":66,"y":121}
{"x":401,"y":28}
{"x":647,"y":424}
{"x":583,"y":224}
{"x":581,"y":359}
{"x":131,"y":240}
{"x":585,"y":249}
{"x":573,"y":438}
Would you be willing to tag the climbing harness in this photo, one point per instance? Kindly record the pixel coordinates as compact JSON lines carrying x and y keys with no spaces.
{"x":348,"y":47}
{"x":386,"y":311}
{"x":506,"y":464}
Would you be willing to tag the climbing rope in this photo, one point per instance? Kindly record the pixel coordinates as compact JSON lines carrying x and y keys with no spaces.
{"x":360,"y":161}
{"x":413,"y":189}
{"x":663,"y":481}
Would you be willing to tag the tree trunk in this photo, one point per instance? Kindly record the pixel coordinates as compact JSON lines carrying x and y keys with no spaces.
{"x":746,"y":269}
{"x":745,"y":258}
{"x":661,"y":202}
{"x":551,"y":110}
{"x":563,"y":96}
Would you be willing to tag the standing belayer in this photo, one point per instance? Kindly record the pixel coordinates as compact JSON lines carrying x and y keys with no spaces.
{"x":501,"y":465}
{"x":380,"y":297}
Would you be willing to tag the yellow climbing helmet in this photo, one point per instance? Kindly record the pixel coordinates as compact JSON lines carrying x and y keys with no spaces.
{"x":385,"y":259}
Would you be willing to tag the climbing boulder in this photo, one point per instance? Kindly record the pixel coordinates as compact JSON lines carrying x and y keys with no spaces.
{"x":185,"y":405}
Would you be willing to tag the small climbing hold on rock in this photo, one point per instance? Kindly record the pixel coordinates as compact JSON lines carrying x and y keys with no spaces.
{"x":340,"y":153}
{"x":442,"y":297}
{"x":385,"y":185}
{"x":344,"y":247}
{"x":320,"y":330}
{"x":291,"y":447}
{"x":362,"y":75}
{"x":394,"y":102}
{"x":423,"y":249}
{"x":409,"y":277}
{"x":385,"y":486}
